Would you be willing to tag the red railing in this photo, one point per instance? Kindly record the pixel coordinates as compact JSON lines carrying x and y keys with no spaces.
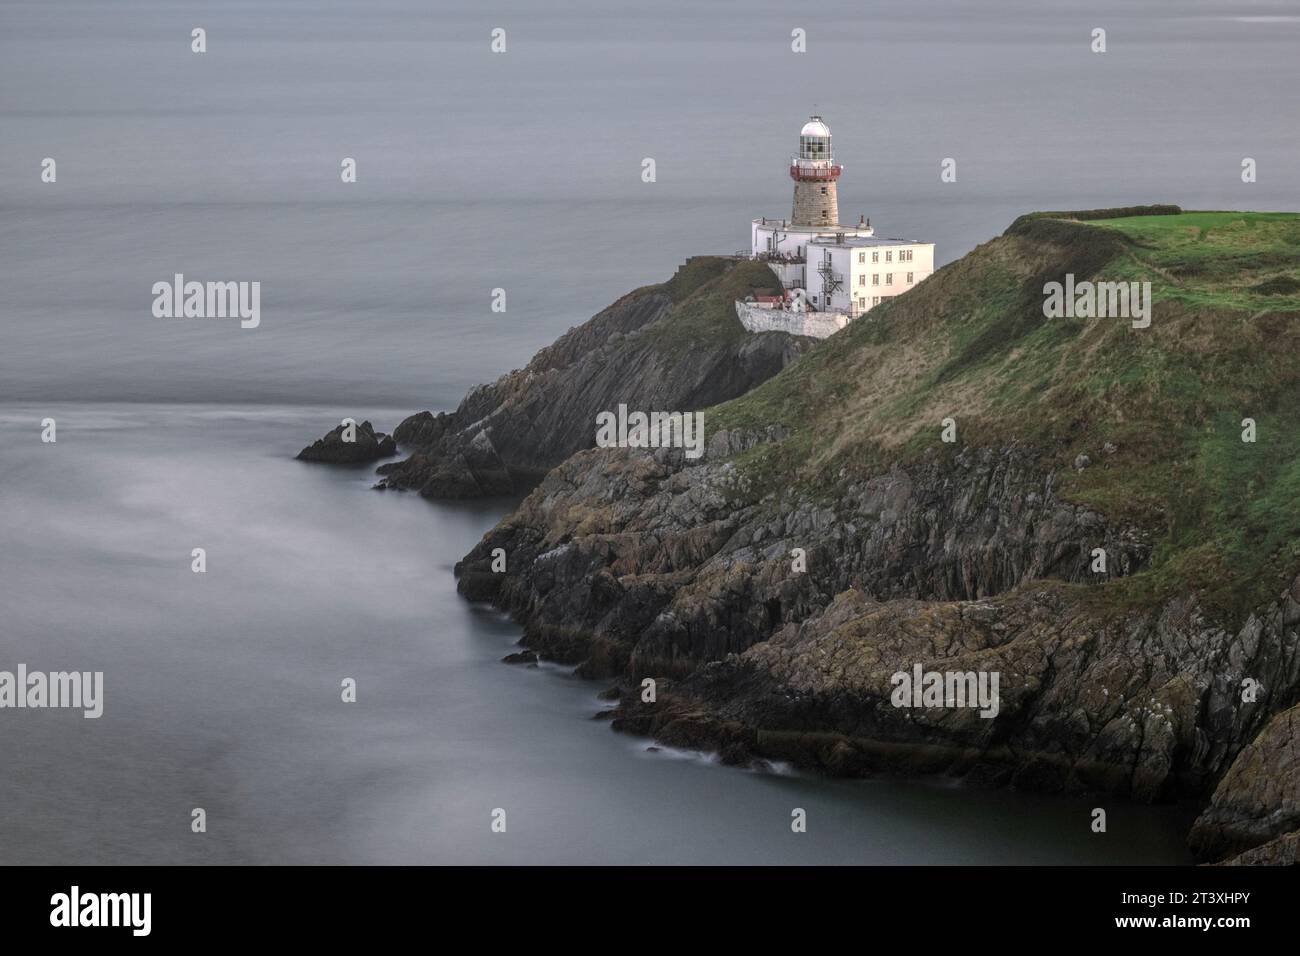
{"x":814,"y":174}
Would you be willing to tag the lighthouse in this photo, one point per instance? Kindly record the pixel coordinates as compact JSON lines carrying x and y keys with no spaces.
{"x":830,"y":272}
{"x":815,"y":174}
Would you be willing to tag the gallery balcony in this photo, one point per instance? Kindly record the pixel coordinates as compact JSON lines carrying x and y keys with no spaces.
{"x":814,"y":174}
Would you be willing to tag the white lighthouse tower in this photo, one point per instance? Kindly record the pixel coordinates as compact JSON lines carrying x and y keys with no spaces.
{"x":831,"y":272}
{"x":815,"y":213}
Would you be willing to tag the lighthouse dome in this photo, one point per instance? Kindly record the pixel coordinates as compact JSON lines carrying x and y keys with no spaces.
{"x":815,"y":127}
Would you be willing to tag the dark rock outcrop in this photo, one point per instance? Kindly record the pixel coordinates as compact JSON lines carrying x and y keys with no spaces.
{"x":366,"y":445}
{"x":675,"y":347}
{"x":1255,"y":812}
{"x":684,"y":564}
{"x":1283,"y":851}
{"x":634,"y":565}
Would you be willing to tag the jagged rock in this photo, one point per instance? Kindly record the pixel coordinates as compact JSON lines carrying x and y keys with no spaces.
{"x":1258,"y":800}
{"x":1281,"y":851}
{"x":521,"y":657}
{"x":679,"y":562}
{"x":474,"y":470}
{"x":665,"y":570}
{"x":422,"y":429}
{"x":639,"y":352}
{"x":369,"y":445}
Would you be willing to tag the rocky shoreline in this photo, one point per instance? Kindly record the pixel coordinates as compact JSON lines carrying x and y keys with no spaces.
{"x":771,"y":589}
{"x":633,"y":567}
{"x":661,"y":347}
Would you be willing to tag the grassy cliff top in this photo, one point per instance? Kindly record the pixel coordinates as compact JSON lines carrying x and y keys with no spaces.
{"x":972,"y":343}
{"x":1233,"y":260}
{"x":704,"y":292}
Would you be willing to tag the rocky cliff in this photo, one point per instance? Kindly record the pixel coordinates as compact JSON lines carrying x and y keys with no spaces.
{"x":674,"y":347}
{"x":959,"y":483}
{"x":1255,"y":812}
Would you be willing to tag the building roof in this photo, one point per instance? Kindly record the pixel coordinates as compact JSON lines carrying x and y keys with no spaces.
{"x":815,"y":127}
{"x":774,"y":222}
{"x":857,"y":241}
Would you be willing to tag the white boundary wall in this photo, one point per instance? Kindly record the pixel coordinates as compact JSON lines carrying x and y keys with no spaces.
{"x":818,"y":325}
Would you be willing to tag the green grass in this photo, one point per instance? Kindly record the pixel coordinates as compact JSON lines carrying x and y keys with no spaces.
{"x":1238,"y":260}
{"x":704,"y":292}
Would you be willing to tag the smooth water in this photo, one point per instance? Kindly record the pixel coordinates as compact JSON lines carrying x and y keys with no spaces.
{"x":223,"y":689}
{"x":477,"y":171}
{"x":522,"y":170}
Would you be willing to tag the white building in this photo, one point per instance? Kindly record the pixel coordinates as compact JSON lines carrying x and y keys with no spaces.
{"x":827,"y":266}
{"x":851,"y":274}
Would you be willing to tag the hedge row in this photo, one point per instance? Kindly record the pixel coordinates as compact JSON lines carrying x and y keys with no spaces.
{"x":1118,"y":212}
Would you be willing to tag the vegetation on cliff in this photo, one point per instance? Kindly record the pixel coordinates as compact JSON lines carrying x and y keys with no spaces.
{"x":831,"y":538}
{"x":972,"y":343}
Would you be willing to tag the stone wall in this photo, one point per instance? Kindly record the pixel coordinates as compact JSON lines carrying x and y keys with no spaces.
{"x":812,"y":207}
{"x":817,"y":325}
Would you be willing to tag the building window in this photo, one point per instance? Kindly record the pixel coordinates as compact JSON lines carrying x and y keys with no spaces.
{"x":823,"y":190}
{"x":889,"y":255}
{"x":875,"y":257}
{"x":875,"y":300}
{"x":862,"y":303}
{"x":823,"y":213}
{"x":875,"y":278}
{"x":862,"y":278}
{"x":909,"y":278}
{"x":889,"y":278}
{"x":862,"y":257}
